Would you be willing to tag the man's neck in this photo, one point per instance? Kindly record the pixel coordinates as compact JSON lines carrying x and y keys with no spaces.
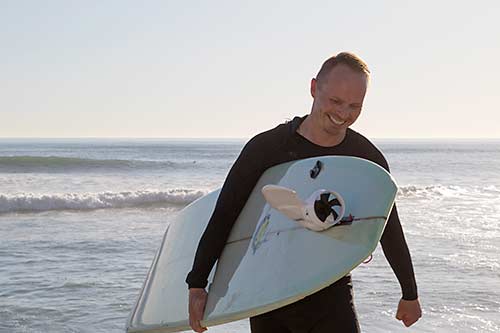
{"x":316,"y":135}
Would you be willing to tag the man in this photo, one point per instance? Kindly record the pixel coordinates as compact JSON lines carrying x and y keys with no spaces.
{"x":338,"y":92}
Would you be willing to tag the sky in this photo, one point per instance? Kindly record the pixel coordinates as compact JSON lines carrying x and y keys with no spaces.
{"x":232,"y":69}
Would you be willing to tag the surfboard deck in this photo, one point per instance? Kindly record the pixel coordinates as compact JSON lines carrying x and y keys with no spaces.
{"x":269,"y":260}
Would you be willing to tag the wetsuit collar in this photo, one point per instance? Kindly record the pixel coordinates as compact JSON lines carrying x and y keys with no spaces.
{"x":295,"y":123}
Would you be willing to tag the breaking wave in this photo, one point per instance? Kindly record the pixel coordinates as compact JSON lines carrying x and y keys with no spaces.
{"x":29,"y":202}
{"x":442,"y":191}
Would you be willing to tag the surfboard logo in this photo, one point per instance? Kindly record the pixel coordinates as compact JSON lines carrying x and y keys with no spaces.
{"x":259,"y":236}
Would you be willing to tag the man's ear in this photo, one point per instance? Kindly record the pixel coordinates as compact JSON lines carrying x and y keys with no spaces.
{"x":314,"y":84}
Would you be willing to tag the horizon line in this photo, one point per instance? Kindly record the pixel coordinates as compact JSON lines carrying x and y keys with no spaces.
{"x":236,"y":138}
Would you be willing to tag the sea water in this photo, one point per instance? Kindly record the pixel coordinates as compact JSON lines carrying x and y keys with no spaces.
{"x":81,"y":220}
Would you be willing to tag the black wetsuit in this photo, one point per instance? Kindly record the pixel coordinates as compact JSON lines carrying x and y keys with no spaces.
{"x":332,"y":305}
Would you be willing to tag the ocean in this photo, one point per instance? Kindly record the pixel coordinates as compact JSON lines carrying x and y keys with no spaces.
{"x":81,"y":220}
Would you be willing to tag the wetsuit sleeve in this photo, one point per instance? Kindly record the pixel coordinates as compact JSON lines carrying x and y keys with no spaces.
{"x":396,"y":250}
{"x":237,"y":187}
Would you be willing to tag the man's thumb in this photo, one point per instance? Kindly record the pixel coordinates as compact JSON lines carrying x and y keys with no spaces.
{"x":399,"y":316}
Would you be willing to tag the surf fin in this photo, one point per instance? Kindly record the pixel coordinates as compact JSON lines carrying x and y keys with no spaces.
{"x":284,"y":200}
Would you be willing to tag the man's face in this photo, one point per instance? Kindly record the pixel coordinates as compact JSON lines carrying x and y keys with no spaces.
{"x":338,"y":99}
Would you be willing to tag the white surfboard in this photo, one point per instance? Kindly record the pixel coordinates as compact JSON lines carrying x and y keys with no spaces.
{"x":270,"y":260}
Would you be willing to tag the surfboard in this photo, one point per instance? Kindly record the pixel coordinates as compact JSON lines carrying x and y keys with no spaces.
{"x":270,"y":259}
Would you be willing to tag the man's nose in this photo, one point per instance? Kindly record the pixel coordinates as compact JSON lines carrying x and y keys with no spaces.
{"x":343,"y":111}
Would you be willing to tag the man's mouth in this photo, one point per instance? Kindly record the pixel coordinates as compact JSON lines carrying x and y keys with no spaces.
{"x":335,"y":121}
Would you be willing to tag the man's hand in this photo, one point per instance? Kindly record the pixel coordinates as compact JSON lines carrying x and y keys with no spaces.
{"x":409,"y":312}
{"x":197,"y":301}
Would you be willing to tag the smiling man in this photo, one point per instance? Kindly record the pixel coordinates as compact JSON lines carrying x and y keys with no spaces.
{"x":338,"y":93}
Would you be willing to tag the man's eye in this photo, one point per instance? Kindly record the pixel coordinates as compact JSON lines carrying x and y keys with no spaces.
{"x":334,"y":101}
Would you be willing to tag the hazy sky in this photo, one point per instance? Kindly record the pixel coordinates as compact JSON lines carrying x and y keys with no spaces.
{"x":236,"y":68}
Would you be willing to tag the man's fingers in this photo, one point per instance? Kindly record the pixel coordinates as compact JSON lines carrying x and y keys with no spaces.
{"x":406,"y":319}
{"x":408,"y":322}
{"x":194,"y":322}
{"x":196,"y":326}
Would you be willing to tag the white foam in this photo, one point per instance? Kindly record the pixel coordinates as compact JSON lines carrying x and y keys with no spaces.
{"x":437,"y":191}
{"x":29,"y":202}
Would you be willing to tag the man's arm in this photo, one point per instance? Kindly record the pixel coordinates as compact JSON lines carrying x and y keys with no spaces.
{"x":396,"y":251}
{"x":237,"y":187}
{"x":393,"y":240}
{"x":397,"y":254}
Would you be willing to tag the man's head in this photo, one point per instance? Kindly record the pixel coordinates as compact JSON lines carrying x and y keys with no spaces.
{"x":338,"y":91}
{"x":344,"y":58}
